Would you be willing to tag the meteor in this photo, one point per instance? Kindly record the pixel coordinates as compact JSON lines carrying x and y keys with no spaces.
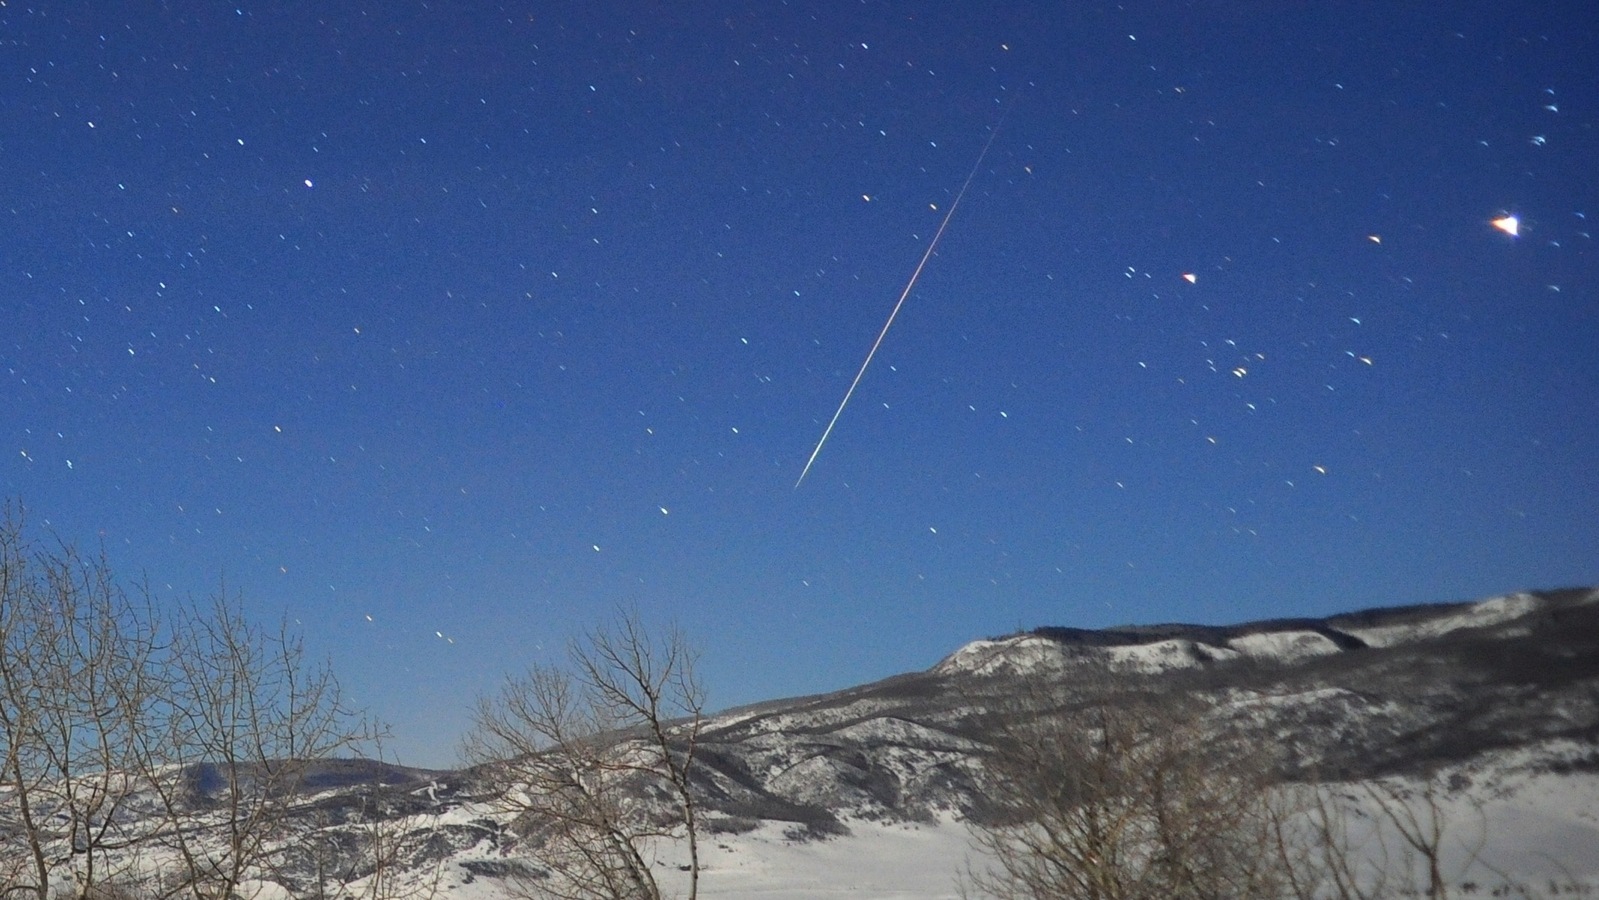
{"x":909,"y":285}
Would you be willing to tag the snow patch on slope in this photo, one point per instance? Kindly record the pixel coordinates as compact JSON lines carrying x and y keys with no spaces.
{"x":817,"y":715}
{"x":1284,"y":646}
{"x":1163,"y":655}
{"x":1028,"y":654}
{"x":1019,"y":655}
{"x":1483,"y":614}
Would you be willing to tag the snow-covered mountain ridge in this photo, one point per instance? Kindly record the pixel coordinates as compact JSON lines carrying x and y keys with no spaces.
{"x":1160,"y":647}
{"x":1367,"y":692}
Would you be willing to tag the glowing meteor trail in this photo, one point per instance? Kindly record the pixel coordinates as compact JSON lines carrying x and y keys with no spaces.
{"x":909,"y":285}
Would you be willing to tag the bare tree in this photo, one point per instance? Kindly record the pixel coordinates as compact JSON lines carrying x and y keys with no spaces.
{"x":77,"y":683}
{"x":595,"y":761}
{"x":249,"y":718}
{"x":370,"y":847}
{"x":1384,"y":837}
{"x":1421,"y":824}
{"x":1120,"y":797}
{"x":108,"y":707}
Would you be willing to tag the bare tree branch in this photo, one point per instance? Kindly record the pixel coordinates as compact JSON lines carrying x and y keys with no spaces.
{"x":107,"y":706}
{"x":595,"y":761}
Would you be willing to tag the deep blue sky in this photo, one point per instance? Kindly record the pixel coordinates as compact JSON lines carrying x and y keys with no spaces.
{"x":446,"y":327}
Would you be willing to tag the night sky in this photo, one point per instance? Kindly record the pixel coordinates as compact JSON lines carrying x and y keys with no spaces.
{"x":445,"y":328}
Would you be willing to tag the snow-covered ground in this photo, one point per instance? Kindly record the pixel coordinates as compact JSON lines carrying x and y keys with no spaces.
{"x":877,"y":862}
{"x":1531,"y":829}
{"x":1549,"y":830}
{"x":1515,"y":825}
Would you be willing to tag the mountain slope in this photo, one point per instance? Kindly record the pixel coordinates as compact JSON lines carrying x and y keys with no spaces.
{"x":1359,"y":695}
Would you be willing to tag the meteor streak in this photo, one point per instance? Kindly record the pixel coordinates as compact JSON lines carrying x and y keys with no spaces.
{"x":909,"y":285}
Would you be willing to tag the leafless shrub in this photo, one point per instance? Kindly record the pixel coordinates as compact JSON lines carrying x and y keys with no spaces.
{"x":1120,"y":798}
{"x":1387,"y":837}
{"x":595,"y":760}
{"x":1137,"y":793}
